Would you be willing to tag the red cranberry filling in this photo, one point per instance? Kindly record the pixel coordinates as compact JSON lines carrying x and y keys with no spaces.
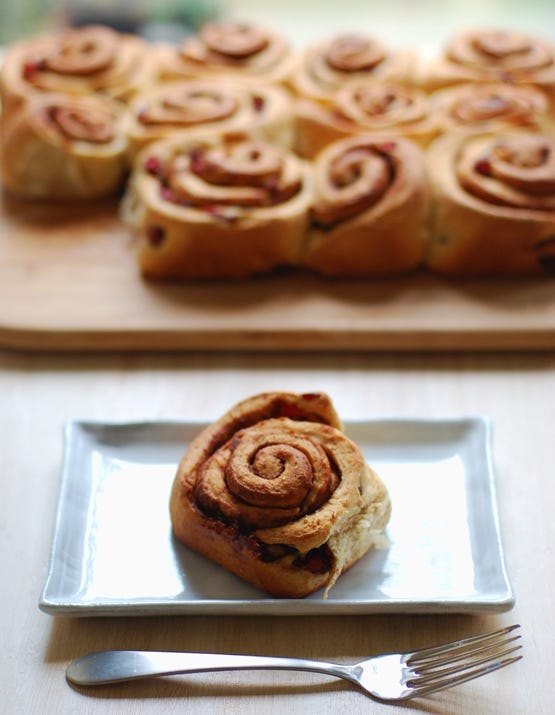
{"x":387,"y":147}
{"x":291,"y":411}
{"x":167,"y":194}
{"x":155,"y":235}
{"x":272,"y":184}
{"x":153,"y":166}
{"x":29,"y":68}
{"x":197,"y":162}
{"x":258,"y":103}
{"x":316,"y":561}
{"x":483,"y":166}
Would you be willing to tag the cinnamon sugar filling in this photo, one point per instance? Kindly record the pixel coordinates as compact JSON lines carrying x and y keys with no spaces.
{"x":518,"y":171}
{"x":82,"y":52}
{"x":81,"y":123}
{"x":354,"y":181}
{"x":500,"y":51}
{"x":317,"y":561}
{"x":216,"y":179}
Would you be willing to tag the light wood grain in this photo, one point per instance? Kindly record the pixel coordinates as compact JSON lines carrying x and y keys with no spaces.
{"x":40,"y":392}
{"x":69,"y":280}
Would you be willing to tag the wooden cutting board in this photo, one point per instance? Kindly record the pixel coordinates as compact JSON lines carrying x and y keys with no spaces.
{"x":69,"y":281}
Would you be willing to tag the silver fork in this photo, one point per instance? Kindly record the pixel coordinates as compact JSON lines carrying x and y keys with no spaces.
{"x":392,"y":676}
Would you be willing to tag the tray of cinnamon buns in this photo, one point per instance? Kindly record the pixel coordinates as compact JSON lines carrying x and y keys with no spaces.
{"x":233,"y":191}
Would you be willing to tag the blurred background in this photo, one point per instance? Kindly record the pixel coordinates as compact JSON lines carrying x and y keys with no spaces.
{"x":416,"y":23}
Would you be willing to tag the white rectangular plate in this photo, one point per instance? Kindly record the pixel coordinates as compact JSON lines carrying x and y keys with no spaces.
{"x":113,"y":552}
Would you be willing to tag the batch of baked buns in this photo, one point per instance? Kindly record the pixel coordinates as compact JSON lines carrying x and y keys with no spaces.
{"x":237,"y":155}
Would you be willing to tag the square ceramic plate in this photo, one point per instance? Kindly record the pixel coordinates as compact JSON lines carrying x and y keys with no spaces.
{"x":113,"y":552}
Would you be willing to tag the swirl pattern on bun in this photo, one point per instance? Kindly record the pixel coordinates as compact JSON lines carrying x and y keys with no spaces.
{"x":364,"y":108}
{"x":244,"y":51}
{"x":324,"y":67}
{"x":78,"y":61}
{"x":61,"y":146}
{"x":493,"y":55}
{"x":210,"y":107}
{"x":275,"y":492}
{"x":495,"y":204}
{"x":217,"y":207}
{"x":370,"y":207}
{"x":481,"y":108}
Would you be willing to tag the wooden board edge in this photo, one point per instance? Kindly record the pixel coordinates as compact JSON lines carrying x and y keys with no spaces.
{"x":106,"y":340}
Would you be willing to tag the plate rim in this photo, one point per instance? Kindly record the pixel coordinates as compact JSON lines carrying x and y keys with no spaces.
{"x":473,"y":604}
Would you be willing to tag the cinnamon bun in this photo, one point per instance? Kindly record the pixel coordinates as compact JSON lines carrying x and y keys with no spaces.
{"x":370,"y":210}
{"x":363,"y":108}
{"x":322,"y":68}
{"x":495,"y":204}
{"x":276,"y":493}
{"x":210,"y":107}
{"x":77,"y":61}
{"x":490,"y":107}
{"x":217,"y":207}
{"x":493,"y":55}
{"x":244,"y":51}
{"x":59,"y":147}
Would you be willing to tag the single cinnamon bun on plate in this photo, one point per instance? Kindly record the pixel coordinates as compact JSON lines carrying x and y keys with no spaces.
{"x":244,"y":51}
{"x":77,"y":61}
{"x":210,"y":107}
{"x":490,"y":107}
{"x":322,"y":68}
{"x":60,"y":146}
{"x":370,"y":209}
{"x":276,"y":493}
{"x":494,"y":198}
{"x":369,"y":107}
{"x":492,"y":55}
{"x":216,"y":207}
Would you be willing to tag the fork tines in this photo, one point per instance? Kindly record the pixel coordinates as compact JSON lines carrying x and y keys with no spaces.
{"x":457,"y":662}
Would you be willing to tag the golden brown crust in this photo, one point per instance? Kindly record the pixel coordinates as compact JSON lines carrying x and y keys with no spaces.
{"x":210,"y":108}
{"x":495,"y":204}
{"x":322,"y":68}
{"x":492,"y":55}
{"x":77,"y":61}
{"x":364,"y":108}
{"x":371,"y":208}
{"x":277,"y":494}
{"x":241,"y":51}
{"x":208,"y":208}
{"x":59,"y":146}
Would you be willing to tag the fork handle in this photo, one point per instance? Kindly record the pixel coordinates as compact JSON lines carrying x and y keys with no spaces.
{"x":113,"y":666}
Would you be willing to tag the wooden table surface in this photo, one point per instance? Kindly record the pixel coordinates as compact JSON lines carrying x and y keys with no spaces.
{"x":40,"y":392}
